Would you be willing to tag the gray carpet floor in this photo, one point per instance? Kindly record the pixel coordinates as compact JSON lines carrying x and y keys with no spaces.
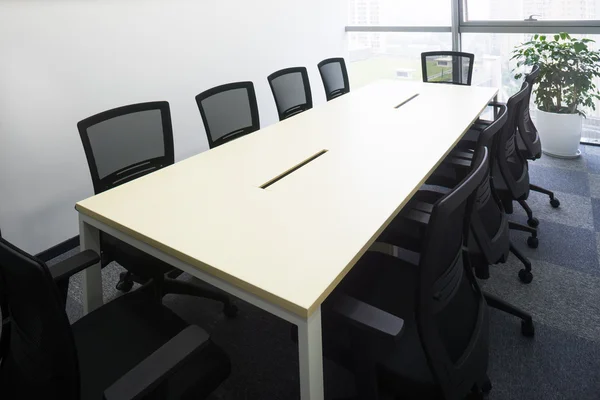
{"x":561,"y":362}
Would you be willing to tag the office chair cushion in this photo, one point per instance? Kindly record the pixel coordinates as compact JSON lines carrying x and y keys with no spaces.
{"x":407,"y":230}
{"x":469,"y":140}
{"x":116,"y":337}
{"x":405,"y":369}
{"x":385,"y":282}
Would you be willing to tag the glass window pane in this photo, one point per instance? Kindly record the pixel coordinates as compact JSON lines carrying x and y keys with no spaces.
{"x":399,"y":12}
{"x":520,"y":10}
{"x":390,"y":55}
{"x":494,"y":68}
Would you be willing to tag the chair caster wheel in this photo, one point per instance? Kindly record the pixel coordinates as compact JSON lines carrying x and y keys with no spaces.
{"x":230,"y":311}
{"x":525,"y":276}
{"x":533,"y":242}
{"x":533,"y":222}
{"x":125,"y":283}
{"x":555,"y":203}
{"x":527,"y":328}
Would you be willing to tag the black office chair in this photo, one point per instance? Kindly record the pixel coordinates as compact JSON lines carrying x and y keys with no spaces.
{"x":335,"y":77}
{"x":489,"y":242}
{"x":511,"y":175}
{"x":121,"y":145}
{"x":512,"y":165}
{"x":528,"y":140}
{"x":228,"y":112}
{"x":447,"y":67}
{"x":131,"y":348}
{"x":291,"y":90}
{"x":416,"y":326}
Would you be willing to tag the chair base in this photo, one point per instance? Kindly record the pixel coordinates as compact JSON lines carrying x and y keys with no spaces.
{"x":532,"y":241}
{"x":531,"y":220}
{"x":527,"y":328}
{"x":172,"y":286}
{"x":554,"y":202}
{"x":525,"y":274}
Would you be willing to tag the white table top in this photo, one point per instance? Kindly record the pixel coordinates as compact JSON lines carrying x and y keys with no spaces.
{"x":292,"y":242}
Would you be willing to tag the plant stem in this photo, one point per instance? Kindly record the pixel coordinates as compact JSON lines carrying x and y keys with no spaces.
{"x":559,"y":99}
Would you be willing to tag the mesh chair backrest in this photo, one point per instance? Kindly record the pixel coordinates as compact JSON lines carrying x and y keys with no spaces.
{"x":447,"y":67}
{"x":291,"y":90}
{"x":528,"y":132}
{"x":4,"y":314}
{"x":228,"y":112}
{"x":127,"y":142}
{"x":335,"y":77}
{"x":489,"y":223}
{"x":511,"y":166}
{"x":451,"y":314}
{"x":41,"y":358}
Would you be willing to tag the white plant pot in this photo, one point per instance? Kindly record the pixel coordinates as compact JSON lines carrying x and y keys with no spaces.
{"x":560,"y":133}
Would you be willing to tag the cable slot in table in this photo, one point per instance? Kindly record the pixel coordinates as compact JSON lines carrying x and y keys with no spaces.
{"x":407,"y":100}
{"x":291,"y":170}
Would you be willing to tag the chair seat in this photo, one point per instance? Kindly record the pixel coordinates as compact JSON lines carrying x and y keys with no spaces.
{"x":469,"y":140}
{"x":113,"y":339}
{"x":408,"y":228}
{"x":472,"y":135}
{"x":389,"y":284}
{"x":404,"y":371}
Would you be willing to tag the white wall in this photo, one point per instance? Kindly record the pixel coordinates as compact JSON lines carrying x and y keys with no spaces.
{"x":64,"y":60}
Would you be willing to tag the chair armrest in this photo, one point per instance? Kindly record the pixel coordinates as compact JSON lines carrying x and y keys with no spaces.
{"x":367,"y":317}
{"x":157,"y":367}
{"x":69,"y":267}
{"x":481,"y":124}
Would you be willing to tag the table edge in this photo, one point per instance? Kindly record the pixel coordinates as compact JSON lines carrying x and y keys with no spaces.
{"x":245,"y":286}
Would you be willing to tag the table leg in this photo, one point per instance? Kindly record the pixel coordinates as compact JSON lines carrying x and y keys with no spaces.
{"x":89,"y":239}
{"x":310,"y":348}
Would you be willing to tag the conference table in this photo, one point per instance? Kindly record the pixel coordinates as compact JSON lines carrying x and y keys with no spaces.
{"x":277,"y":218}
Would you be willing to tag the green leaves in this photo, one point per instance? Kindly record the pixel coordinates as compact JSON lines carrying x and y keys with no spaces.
{"x":568,"y":68}
{"x":579,"y":46}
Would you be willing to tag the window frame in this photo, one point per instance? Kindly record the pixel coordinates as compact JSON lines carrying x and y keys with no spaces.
{"x":458,"y":26}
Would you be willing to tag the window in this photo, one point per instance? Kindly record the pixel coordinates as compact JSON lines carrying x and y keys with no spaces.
{"x":390,"y":55}
{"x":494,"y":68}
{"x":399,"y":12}
{"x":520,"y":10}
{"x":386,"y":37}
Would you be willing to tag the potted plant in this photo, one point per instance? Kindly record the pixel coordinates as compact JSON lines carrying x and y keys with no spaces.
{"x":565,"y":88}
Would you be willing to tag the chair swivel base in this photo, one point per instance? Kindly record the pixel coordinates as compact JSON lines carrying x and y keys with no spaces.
{"x":525,"y":274}
{"x":531,"y":220}
{"x":532,"y":241}
{"x":125,"y":283}
{"x":554,"y":202}
{"x":169,"y":285}
{"x":527,"y":327}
